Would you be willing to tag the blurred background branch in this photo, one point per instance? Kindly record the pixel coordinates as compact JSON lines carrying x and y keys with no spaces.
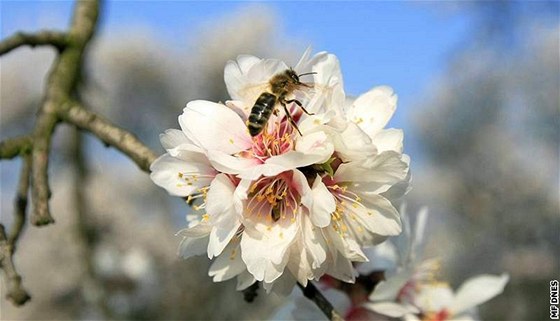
{"x":59,"y":91}
{"x":47,"y":38}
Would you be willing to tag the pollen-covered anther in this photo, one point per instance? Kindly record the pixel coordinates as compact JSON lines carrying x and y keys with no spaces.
{"x":189,"y":179}
{"x":274,"y":197}
{"x":276,"y":142}
{"x":200,"y":193}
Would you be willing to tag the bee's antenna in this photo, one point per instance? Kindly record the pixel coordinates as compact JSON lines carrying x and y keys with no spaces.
{"x":308,"y":73}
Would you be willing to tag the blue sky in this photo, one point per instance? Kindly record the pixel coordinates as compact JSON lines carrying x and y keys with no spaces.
{"x":401,"y":44}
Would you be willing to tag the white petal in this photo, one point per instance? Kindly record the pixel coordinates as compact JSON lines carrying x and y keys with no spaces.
{"x":178,"y":145}
{"x":221,"y":209}
{"x":264,"y":247}
{"x":266,"y":169}
{"x":173,"y":138}
{"x":214,"y":127}
{"x":389,"y":289}
{"x":389,"y":139}
{"x":235,"y":74}
{"x":220,"y":237}
{"x":178,"y":176}
{"x":292,"y":160}
{"x":340,"y":266}
{"x":433,"y":298}
{"x":313,"y":123}
{"x":315,"y":143}
{"x":196,"y":230}
{"x":323,"y":204}
{"x":191,"y":246}
{"x":327,"y":93}
{"x":374,"y":175}
{"x":240,"y":108}
{"x":314,"y":242}
{"x":478,"y":290}
{"x":327,"y":68}
{"x":411,"y":317}
{"x":353,"y":144}
{"x":228,"y":164}
{"x":300,"y":184}
{"x":378,"y":215}
{"x":372,"y":110}
{"x":219,"y":200}
{"x":265,"y":69}
{"x":347,"y":246}
{"x":227,"y":265}
{"x":246,"y":62}
{"x":391,"y":309}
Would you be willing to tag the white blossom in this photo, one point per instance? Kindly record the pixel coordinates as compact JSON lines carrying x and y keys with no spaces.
{"x":284,"y":207}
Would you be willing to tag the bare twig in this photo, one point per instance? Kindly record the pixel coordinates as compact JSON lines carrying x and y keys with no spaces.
{"x":313,"y":294}
{"x":56,"y":39}
{"x":15,"y":146}
{"x":44,"y":128}
{"x":110,"y":134}
{"x":16,"y":293}
{"x":20,"y":204}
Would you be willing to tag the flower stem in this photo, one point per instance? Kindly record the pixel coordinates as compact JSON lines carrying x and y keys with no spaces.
{"x":312,"y":293}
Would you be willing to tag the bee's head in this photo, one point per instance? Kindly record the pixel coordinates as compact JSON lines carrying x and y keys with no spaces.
{"x":293,"y":76}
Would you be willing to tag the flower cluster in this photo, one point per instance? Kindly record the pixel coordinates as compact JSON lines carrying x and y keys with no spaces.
{"x":406,"y":287}
{"x":300,"y":199}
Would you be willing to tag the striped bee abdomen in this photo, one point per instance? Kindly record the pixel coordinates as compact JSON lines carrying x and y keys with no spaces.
{"x":260,"y":113}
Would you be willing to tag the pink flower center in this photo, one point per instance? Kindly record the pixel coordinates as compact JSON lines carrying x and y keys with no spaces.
{"x":439,"y":316}
{"x":275,"y":142}
{"x":273,"y":198}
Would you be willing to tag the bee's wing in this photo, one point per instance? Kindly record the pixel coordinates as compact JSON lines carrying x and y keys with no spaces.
{"x":251,"y":92}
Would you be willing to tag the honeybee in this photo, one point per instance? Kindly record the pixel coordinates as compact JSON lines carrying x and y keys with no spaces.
{"x":280,"y":86}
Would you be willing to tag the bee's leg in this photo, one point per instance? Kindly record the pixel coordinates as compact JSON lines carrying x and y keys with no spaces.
{"x":292,"y":121}
{"x":299,"y":104}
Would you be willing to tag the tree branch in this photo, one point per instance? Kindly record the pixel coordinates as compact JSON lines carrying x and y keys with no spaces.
{"x":313,"y":294}
{"x":110,"y":134}
{"x":20,"y":203}
{"x":44,"y":128}
{"x":16,"y":293}
{"x":56,"y":39}
{"x":15,"y":146}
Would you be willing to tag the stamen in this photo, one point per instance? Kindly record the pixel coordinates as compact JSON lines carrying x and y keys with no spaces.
{"x":273,"y":197}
